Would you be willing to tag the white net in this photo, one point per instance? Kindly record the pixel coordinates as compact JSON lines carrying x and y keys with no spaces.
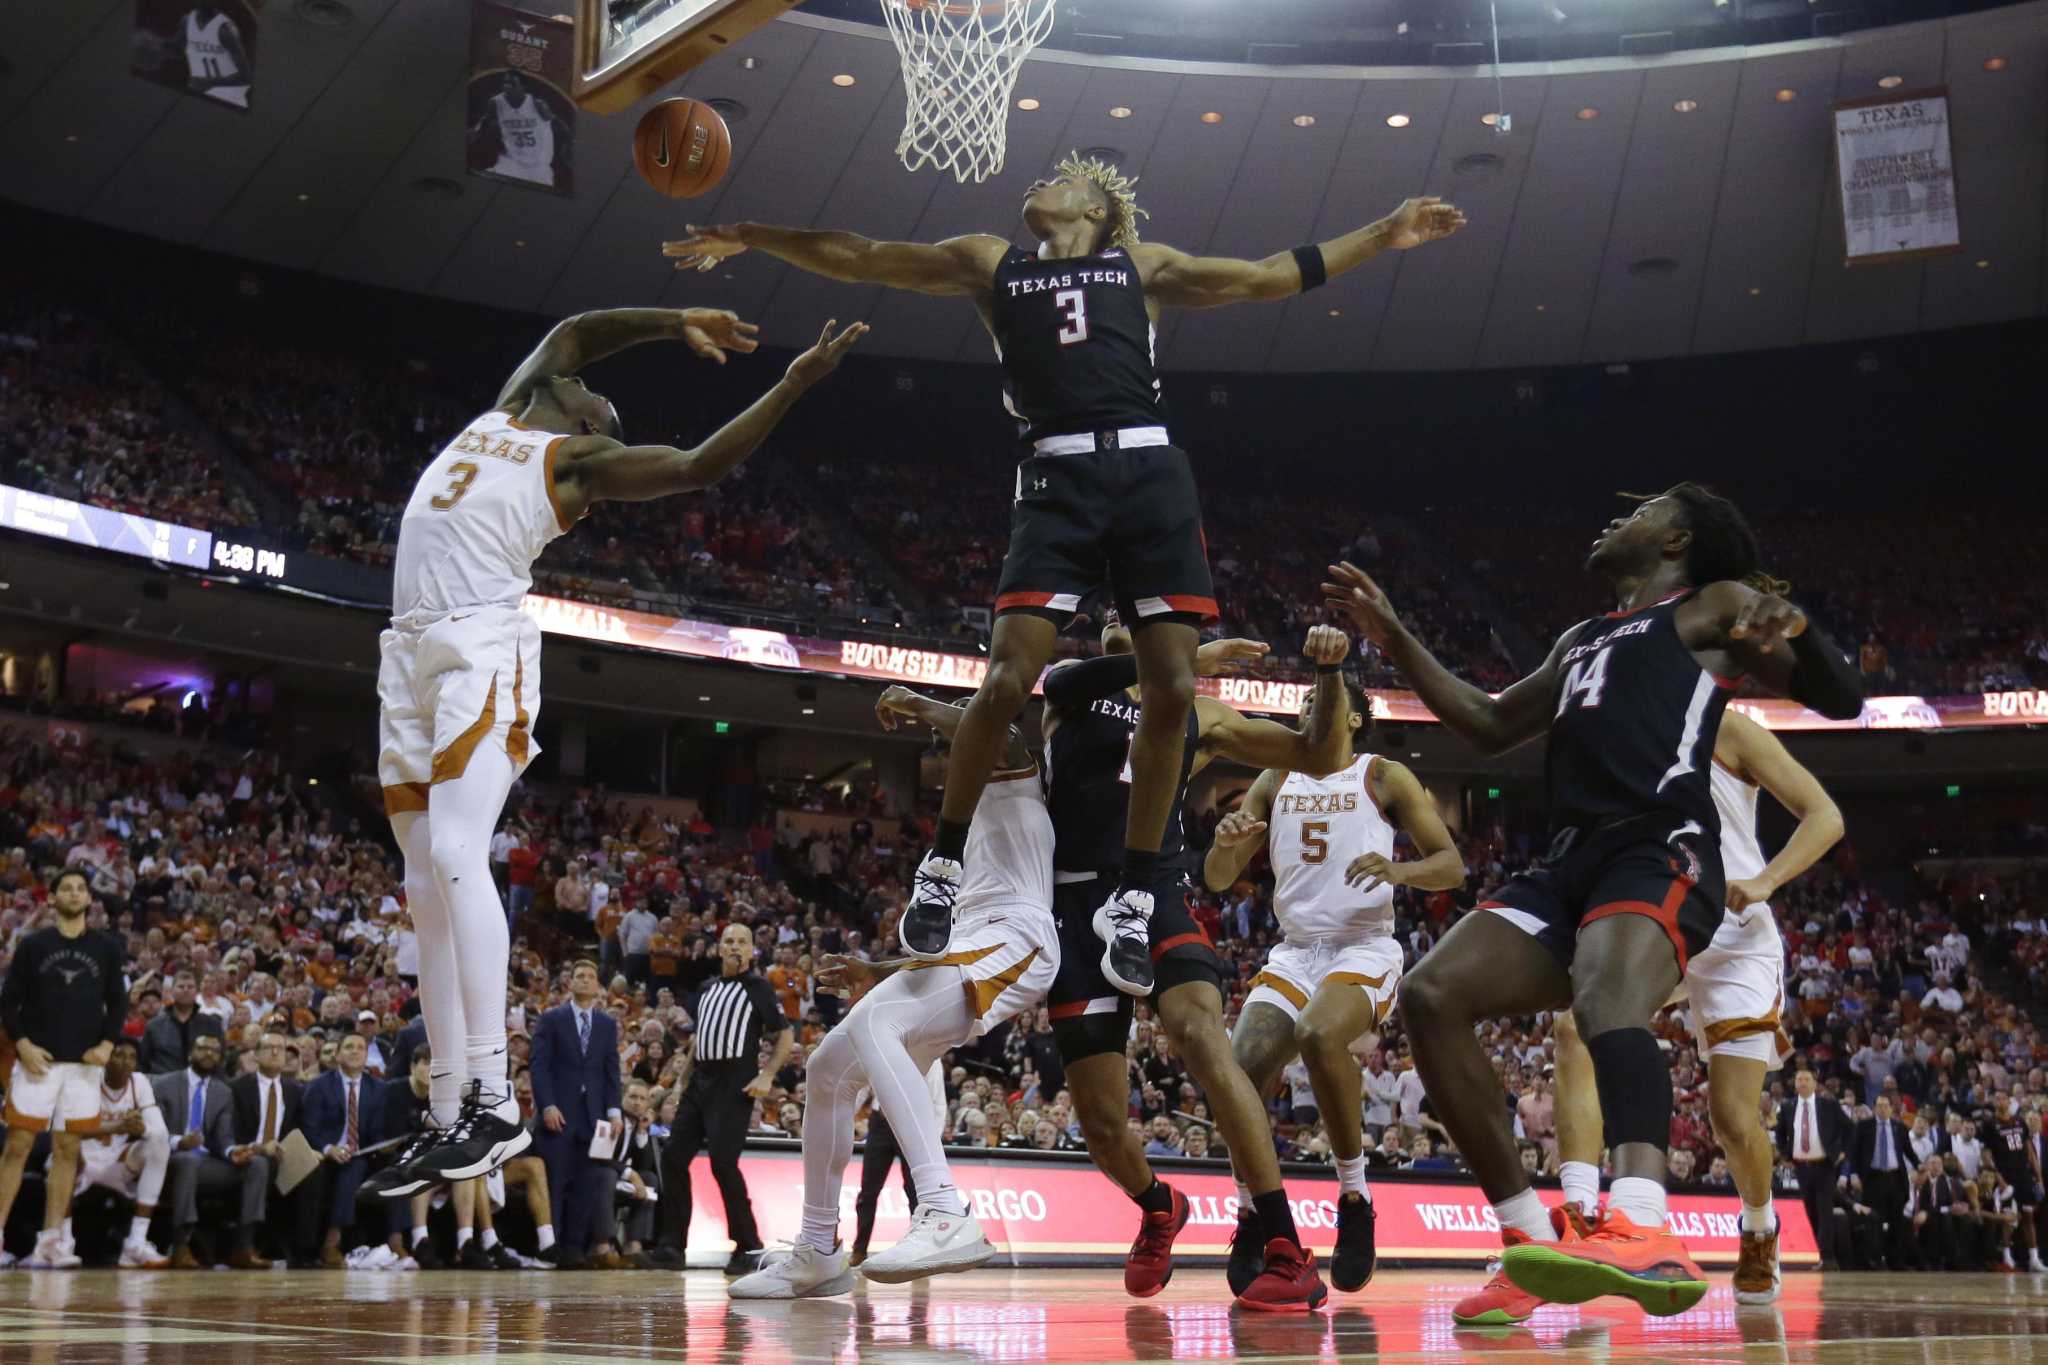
{"x":960,"y":64}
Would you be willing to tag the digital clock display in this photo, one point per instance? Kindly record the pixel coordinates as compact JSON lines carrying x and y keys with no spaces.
{"x":235,"y":557}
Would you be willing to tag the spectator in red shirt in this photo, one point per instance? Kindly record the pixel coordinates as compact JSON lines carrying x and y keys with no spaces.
{"x":522,"y":864}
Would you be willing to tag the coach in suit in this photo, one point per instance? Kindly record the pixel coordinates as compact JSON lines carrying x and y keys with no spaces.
{"x":1883,"y":1157}
{"x":576,"y":1087}
{"x":267,"y":1104}
{"x":342,"y":1112}
{"x":1942,"y":1218}
{"x":1814,"y":1132}
{"x":198,"y":1111}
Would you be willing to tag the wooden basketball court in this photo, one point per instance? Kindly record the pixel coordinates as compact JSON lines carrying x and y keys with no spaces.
{"x":1063,"y":1317}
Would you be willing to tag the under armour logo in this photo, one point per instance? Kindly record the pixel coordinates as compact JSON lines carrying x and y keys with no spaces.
{"x":1038,"y":485}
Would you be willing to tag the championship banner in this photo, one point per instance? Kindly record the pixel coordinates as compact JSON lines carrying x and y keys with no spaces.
{"x":521,"y":125}
{"x":206,"y":50}
{"x":1051,"y":1209}
{"x":1898,"y":183}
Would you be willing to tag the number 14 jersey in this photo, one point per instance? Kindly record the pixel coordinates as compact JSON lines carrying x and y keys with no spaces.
{"x":1635,"y":722}
{"x":1076,"y":344}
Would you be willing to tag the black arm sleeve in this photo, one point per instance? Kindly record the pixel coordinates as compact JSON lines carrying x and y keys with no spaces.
{"x":1077,"y":684}
{"x":1823,"y":678}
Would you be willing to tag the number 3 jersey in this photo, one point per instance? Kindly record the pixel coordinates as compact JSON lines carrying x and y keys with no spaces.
{"x":480,"y":515}
{"x":1636,"y":718}
{"x":1076,"y":344}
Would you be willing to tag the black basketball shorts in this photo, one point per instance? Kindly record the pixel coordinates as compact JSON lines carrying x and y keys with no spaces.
{"x":1089,"y":1015}
{"x":1129,"y":520}
{"x":1665,"y":869}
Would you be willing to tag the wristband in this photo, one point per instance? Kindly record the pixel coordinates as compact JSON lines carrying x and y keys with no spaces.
{"x":1329,"y":668}
{"x":1310,"y":261}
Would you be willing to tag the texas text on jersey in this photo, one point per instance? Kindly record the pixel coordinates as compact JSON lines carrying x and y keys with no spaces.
{"x":1076,"y":344}
{"x":1088,"y":767}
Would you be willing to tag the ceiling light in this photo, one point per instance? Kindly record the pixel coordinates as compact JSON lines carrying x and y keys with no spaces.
{"x":1541,"y":307}
{"x":1212,"y":117}
{"x":304,"y":197}
{"x":1787,"y":95}
{"x":1890,"y":82}
{"x":1754,"y":291}
{"x":843,"y":79}
{"x":1027,"y":103}
{"x":1304,"y":120}
{"x":519,"y":241}
{"x":1588,"y":114}
{"x":703,"y":699}
{"x":71,"y":137}
{"x":1336,"y":312}
{"x":810,"y":710}
{"x":1994,"y":63}
{"x":1120,"y":111}
{"x":1397,"y":120}
{"x":1983,"y":265}
{"x":1685,"y":106}
{"x":750,"y":63}
{"x":1489,"y":119}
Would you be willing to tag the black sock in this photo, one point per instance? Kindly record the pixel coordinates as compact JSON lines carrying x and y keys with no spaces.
{"x":952,"y":839}
{"x":1141,"y":869}
{"x":1154,"y":1198}
{"x":1278,"y":1218}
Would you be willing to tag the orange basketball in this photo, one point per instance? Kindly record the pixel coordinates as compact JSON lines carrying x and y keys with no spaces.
{"x":682,"y":148}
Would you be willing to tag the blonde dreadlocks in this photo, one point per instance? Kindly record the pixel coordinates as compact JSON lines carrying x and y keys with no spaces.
{"x":1118,"y":188}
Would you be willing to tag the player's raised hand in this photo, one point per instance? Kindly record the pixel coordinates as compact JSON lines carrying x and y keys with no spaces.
{"x":843,"y":975}
{"x":704,"y":247}
{"x":1325,"y":646}
{"x":1218,"y":655}
{"x":1422,"y":220}
{"x":1352,"y":594}
{"x":823,"y":358}
{"x":711,"y":332}
{"x":1765,"y":619}
{"x":1238,"y":829}
{"x":892,"y":708}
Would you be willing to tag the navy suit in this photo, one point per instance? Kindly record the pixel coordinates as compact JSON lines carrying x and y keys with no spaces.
{"x":583,"y":1082}
{"x":323,"y":1116}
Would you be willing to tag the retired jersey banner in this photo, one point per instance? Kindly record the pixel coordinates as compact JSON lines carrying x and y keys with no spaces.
{"x":1898,"y":183}
{"x":1047,"y":1209}
{"x":205,"y":50}
{"x":521,"y":124}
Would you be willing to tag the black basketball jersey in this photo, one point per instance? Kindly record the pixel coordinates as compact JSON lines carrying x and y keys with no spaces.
{"x":1636,"y":718}
{"x":1088,"y":774}
{"x":1075,"y":342}
{"x":2007,"y":1143}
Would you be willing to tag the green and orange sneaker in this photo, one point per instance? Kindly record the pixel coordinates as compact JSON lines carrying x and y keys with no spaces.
{"x":1648,"y":1265}
{"x":1499,"y":1303}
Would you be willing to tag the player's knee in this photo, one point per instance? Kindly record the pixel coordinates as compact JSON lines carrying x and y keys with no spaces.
{"x":451,"y":855}
{"x":1600,"y":1012}
{"x":64,"y":1146}
{"x":1429,"y":1000}
{"x":832,"y":1060}
{"x":1169,"y":696}
{"x":1006,"y":687}
{"x":1319,"y":1041}
{"x":19,"y":1140}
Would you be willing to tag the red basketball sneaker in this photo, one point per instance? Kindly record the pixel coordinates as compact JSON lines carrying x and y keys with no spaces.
{"x":1150,"y":1264}
{"x":1288,"y":1284}
{"x":1499,"y":1303}
{"x":1648,"y":1265}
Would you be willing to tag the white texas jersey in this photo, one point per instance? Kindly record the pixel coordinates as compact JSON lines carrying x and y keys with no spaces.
{"x":1742,"y":857}
{"x":1318,"y":825}
{"x":480,"y":515}
{"x":527,"y":138}
{"x":206,"y":56}
{"x":1009,"y":846}
{"x":117,"y":1103}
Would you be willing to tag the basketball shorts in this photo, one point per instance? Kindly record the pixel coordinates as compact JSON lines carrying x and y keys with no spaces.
{"x":1126,"y":520}
{"x":446,"y":688}
{"x":1089,"y":1015}
{"x":1295,"y":971}
{"x":64,"y":1099}
{"x":1735,"y":991}
{"x":103,"y":1163}
{"x":1665,"y":870}
{"x":1009,"y":955}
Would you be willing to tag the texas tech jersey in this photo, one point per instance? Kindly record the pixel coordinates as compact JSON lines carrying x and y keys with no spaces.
{"x":1636,"y":718}
{"x":1075,"y":341}
{"x":1088,"y":765}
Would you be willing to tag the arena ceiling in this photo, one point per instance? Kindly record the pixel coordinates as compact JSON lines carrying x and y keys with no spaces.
{"x":1635,"y":233}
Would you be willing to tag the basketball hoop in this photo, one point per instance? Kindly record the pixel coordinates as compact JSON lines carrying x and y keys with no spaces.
{"x":960,"y":64}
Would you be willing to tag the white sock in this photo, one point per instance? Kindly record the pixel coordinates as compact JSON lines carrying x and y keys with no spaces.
{"x":545,"y":1235}
{"x":1641,"y":1199}
{"x":1759,"y":1217}
{"x":1525,"y":1214}
{"x":1244,"y":1199}
{"x":1581,"y":1185}
{"x":419,"y":1234}
{"x":821,"y":1227}
{"x":462,"y":1236}
{"x":138,"y":1228}
{"x":67,"y":1230}
{"x":1351,"y":1176}
{"x":490,"y":1239}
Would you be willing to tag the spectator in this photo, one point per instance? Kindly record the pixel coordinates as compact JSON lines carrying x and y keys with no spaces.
{"x":576,"y":1086}
{"x":168,"y":1039}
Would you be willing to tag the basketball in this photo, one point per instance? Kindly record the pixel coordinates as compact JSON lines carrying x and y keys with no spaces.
{"x":682,"y":148}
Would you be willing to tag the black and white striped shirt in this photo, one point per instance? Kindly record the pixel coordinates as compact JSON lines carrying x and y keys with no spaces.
{"x":732,"y":1012}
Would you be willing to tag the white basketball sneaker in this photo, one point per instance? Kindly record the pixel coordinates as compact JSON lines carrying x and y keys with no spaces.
{"x":802,"y":1272}
{"x":937,"y":1244}
{"x":142,"y":1255}
{"x":51,"y":1253}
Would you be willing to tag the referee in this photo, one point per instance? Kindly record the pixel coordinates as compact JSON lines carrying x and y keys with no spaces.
{"x":732,"y":1010}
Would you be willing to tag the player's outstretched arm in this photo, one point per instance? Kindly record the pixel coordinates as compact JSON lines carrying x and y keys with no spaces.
{"x":1772,"y":641}
{"x":1756,"y":755}
{"x":1317,"y":749}
{"x":587,"y":338}
{"x":1440,"y":868}
{"x":1177,"y":280}
{"x":1493,"y":725}
{"x":956,"y":266}
{"x":899,"y":704}
{"x":1242,"y":833}
{"x":596,"y":468}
